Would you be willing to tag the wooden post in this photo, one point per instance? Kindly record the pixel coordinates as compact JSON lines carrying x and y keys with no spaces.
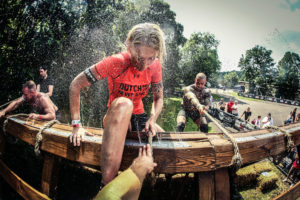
{"x":206,"y":185}
{"x":2,"y":142}
{"x":222,"y":184}
{"x":50,"y":175}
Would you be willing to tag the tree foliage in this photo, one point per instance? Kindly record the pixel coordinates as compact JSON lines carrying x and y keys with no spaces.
{"x":199,"y":54}
{"x":69,"y":36}
{"x":258,"y":68}
{"x":231,"y":79}
{"x":288,"y":75}
{"x":32,"y":33}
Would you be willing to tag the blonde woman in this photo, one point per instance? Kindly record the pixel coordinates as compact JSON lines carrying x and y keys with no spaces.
{"x":129,"y":74}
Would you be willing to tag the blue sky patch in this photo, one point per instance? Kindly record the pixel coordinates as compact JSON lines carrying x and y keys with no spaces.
{"x":294,"y":4}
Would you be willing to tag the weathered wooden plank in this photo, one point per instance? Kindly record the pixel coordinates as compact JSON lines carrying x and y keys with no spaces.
{"x":291,"y":194}
{"x":185,"y":136}
{"x":50,"y":175}
{"x":183,"y":160}
{"x":172,"y":156}
{"x":222,"y":185}
{"x":20,"y":186}
{"x":2,"y":142}
{"x":206,"y":185}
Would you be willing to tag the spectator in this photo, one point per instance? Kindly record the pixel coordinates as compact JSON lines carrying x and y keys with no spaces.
{"x":298,"y":117}
{"x":294,"y":114}
{"x":229,"y":106}
{"x":234,"y":108}
{"x":247,"y":114}
{"x":267,"y":121}
{"x":289,"y":118}
{"x":257,"y":122}
{"x":296,"y":165}
{"x":222,"y":104}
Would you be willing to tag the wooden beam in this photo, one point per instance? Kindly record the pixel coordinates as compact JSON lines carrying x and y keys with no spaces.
{"x":20,"y":186}
{"x":207,"y":153}
{"x":50,"y":175}
{"x":222,"y":184}
{"x":291,"y":194}
{"x":206,"y":185}
{"x":2,"y":142}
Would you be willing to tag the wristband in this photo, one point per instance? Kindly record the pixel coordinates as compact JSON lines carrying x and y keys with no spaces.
{"x":76,"y":123}
{"x":40,"y":117}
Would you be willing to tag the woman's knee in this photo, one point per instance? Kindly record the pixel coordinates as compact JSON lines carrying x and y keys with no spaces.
{"x":122,"y":104}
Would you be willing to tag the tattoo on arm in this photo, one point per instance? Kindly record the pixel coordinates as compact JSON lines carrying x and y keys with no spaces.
{"x":156,"y":88}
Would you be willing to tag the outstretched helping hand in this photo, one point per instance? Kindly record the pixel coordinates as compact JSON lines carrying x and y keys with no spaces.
{"x":144,"y":163}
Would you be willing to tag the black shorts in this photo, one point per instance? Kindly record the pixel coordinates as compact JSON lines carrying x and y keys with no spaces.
{"x":194,"y":114}
{"x":138,"y":122}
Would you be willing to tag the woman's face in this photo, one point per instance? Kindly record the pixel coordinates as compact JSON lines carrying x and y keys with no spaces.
{"x":142,"y":56}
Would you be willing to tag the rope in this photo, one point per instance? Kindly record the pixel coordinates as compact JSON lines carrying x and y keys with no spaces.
{"x":237,"y":160}
{"x":39,"y":136}
{"x":11,"y":116}
{"x":9,"y":102}
{"x":290,"y":143}
{"x":215,"y":152}
{"x":152,"y":175}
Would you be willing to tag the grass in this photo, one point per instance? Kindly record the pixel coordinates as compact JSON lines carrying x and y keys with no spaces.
{"x":168,"y":116}
{"x":234,"y":94}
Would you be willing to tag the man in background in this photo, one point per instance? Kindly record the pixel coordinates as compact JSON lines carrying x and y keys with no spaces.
{"x":46,"y":83}
{"x":196,"y":99}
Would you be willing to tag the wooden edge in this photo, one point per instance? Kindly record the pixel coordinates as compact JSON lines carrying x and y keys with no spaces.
{"x":291,"y":194}
{"x":20,"y":186}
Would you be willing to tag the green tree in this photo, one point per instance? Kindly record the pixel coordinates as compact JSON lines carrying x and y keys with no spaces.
{"x":32,"y":33}
{"x":288,"y":75}
{"x":231,"y":79}
{"x":258,"y":68}
{"x":199,"y":54}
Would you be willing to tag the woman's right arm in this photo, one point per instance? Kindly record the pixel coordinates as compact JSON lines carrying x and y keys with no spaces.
{"x":77,"y":84}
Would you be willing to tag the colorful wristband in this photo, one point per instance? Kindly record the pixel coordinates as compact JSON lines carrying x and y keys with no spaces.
{"x":76,"y":123}
{"x":40,"y":117}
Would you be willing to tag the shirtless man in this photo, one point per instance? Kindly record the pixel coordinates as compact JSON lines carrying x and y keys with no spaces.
{"x":40,"y":102}
{"x":196,"y":99}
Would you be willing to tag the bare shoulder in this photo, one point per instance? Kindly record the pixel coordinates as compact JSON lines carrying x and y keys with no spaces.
{"x":207,"y":91}
{"x":189,"y":88}
{"x":43,"y":97}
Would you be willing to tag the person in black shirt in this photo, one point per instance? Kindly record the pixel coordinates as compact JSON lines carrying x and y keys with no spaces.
{"x":222,"y":104}
{"x":294,"y":114}
{"x":46,"y":83}
{"x":247,"y":114}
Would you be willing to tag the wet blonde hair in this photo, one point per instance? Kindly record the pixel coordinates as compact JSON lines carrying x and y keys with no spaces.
{"x":150,"y":35}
